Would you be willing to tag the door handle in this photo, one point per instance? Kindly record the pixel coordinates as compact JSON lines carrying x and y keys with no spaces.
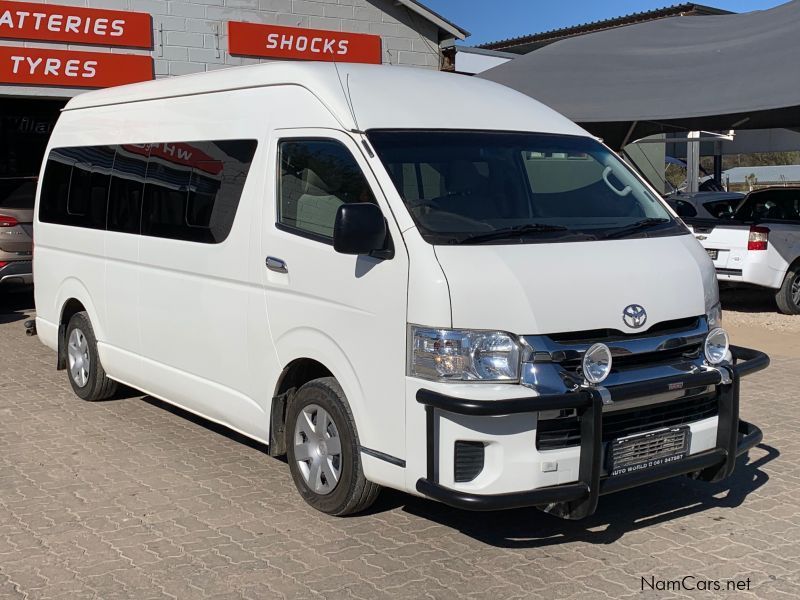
{"x":277,"y":265}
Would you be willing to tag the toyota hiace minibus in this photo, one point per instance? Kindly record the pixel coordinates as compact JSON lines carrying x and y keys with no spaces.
{"x":395,"y":277}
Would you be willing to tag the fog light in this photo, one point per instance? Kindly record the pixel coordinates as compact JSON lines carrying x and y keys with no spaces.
{"x":716,"y":346}
{"x":597,"y":363}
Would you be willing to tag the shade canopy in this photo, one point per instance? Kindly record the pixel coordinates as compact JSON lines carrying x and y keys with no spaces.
{"x":739,"y":71}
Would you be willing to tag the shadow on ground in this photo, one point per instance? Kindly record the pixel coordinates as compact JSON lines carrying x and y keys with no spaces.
{"x":617,"y":514}
{"x":15,"y":305}
{"x":749,"y":300}
{"x":210,"y":425}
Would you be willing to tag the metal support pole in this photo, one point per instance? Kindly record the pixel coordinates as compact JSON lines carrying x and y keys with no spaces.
{"x":692,"y":161}
{"x":718,"y":163}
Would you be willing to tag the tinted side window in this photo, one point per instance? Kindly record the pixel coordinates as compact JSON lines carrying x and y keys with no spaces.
{"x":316,"y":177}
{"x":55,"y":190}
{"x":193,"y":189}
{"x":684,"y":209}
{"x":771,"y":205}
{"x":127,"y":184}
{"x":75,"y":186}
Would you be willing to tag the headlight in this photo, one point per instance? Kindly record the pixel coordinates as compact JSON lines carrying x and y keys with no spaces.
{"x":463,"y":355}
{"x":597,"y":363}
{"x":714,"y":316}
{"x":716,"y":346}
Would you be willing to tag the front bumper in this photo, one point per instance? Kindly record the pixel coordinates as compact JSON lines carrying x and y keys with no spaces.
{"x":579,"y":499}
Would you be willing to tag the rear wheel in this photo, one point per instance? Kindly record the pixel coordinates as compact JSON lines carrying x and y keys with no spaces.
{"x":86,"y":375}
{"x":788,"y":297}
{"x":323,"y":450}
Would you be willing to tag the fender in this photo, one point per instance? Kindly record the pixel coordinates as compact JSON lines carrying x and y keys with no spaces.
{"x":312,"y":344}
{"x":304,"y":342}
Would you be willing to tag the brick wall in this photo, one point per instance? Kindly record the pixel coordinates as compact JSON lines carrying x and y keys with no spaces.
{"x":190,"y":36}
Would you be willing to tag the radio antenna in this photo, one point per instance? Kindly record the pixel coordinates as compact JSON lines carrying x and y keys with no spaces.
{"x":348,"y":98}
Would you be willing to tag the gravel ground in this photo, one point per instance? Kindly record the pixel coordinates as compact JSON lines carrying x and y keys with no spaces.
{"x":756,"y":308}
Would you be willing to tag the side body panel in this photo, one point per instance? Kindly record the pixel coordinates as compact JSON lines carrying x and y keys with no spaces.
{"x":172,"y":318}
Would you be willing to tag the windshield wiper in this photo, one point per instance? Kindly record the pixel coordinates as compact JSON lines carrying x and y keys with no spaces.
{"x":634,"y":227}
{"x":509,"y":233}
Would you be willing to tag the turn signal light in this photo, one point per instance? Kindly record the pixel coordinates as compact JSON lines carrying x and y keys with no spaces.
{"x":8,"y":221}
{"x":758,"y":238}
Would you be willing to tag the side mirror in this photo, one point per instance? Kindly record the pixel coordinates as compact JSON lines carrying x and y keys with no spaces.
{"x":361,"y":229}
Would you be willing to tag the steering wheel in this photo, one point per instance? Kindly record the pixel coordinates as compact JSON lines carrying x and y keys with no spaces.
{"x":623,"y":192}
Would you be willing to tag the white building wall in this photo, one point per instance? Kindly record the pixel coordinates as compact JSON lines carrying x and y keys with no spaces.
{"x":190,"y":36}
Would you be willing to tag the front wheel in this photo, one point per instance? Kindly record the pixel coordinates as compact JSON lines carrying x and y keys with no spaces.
{"x":323,"y":450}
{"x":788,"y":297}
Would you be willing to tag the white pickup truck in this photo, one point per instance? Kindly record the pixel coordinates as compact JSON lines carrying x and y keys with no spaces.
{"x":760,"y":246}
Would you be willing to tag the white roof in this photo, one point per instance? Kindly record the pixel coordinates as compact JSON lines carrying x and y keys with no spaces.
{"x":382,"y":96}
{"x":764,"y":174}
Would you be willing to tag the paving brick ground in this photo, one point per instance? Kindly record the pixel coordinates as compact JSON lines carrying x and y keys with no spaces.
{"x":132,"y":499}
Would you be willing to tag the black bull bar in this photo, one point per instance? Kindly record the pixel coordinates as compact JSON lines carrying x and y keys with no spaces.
{"x":579,"y":499}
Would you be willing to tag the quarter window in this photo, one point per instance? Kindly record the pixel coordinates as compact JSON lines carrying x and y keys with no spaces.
{"x":316,"y":178}
{"x":75,"y":186}
{"x":684,"y":209}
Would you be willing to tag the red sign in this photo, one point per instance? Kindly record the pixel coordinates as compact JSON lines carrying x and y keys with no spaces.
{"x":179,"y":154}
{"x":67,"y":68}
{"x":274,"y":41}
{"x":29,"y":21}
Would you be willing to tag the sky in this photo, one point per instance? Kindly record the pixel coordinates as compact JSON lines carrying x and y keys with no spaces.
{"x":492,"y":20}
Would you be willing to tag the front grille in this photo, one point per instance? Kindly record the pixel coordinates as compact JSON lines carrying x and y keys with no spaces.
{"x":614,"y":335}
{"x":629,"y":362}
{"x":565,"y":432}
{"x":468,"y":460}
{"x":668,"y":343}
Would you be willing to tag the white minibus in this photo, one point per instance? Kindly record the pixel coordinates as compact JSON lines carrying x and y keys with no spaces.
{"x":395,"y":277}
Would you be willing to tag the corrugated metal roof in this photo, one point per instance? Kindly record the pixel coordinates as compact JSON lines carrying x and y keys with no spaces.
{"x":435,"y":18}
{"x":546,"y":37}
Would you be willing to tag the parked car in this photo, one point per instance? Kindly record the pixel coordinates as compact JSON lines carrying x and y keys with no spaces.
{"x":705,"y":205}
{"x":16,"y":231}
{"x":760,"y":246}
{"x":464,"y":300}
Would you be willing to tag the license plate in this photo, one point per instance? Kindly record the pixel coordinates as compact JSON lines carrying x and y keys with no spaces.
{"x":713,"y":253}
{"x":647,"y":450}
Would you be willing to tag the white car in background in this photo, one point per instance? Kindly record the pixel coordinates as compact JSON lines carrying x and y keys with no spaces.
{"x":760,"y":246}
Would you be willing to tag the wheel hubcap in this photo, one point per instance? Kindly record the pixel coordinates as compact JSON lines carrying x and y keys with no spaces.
{"x":78,"y":356}
{"x":318,"y":449}
{"x":796,"y":291}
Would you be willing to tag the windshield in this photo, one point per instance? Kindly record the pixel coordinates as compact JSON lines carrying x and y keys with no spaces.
{"x":494,"y":187}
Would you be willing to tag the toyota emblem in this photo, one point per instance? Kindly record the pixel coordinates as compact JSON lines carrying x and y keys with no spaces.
{"x":634,"y":316}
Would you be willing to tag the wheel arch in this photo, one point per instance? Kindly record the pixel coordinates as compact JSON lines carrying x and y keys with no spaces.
{"x":73,"y":297}
{"x":308,"y":354}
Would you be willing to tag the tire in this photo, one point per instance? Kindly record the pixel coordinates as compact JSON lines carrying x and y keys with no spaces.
{"x":788,"y":297}
{"x":84,"y":371}
{"x":312,"y":457}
